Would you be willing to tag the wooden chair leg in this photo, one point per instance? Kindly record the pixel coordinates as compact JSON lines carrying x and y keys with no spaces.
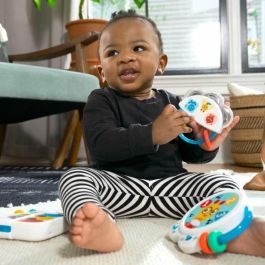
{"x":76,"y":144}
{"x":2,"y":136}
{"x":63,"y":149}
{"x":89,"y":161}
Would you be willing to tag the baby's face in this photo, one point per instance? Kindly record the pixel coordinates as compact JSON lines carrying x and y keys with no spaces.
{"x":130,"y":56}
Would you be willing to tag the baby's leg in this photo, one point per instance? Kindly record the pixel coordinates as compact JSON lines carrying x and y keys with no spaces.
{"x":174,"y":196}
{"x":92,"y":228}
{"x":252,"y":241}
{"x":92,"y":198}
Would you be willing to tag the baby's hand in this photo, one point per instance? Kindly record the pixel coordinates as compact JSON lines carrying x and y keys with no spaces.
{"x":169,"y":124}
{"x":218,"y":139}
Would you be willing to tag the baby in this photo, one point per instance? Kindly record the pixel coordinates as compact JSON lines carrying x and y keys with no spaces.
{"x":131,"y":131}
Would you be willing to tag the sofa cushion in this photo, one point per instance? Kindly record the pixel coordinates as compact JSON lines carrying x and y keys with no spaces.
{"x":42,"y":83}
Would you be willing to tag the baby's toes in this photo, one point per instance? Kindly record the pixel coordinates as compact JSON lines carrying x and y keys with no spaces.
{"x":80,"y":214}
{"x":78,"y":222}
{"x":77,"y":240}
{"x":75,"y":230}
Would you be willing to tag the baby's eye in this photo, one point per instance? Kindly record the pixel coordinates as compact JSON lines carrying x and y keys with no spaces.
{"x":112,"y":53}
{"x":138,"y":48}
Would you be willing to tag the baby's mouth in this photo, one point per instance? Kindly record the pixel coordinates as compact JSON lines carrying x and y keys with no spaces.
{"x":128,"y":75}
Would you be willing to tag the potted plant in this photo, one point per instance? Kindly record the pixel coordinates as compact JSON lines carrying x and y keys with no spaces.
{"x":81,"y":26}
{"x":52,"y":3}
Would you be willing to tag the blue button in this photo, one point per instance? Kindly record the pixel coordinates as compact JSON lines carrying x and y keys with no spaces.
{"x":54,"y":215}
{"x":5,"y":228}
{"x":188,"y":237}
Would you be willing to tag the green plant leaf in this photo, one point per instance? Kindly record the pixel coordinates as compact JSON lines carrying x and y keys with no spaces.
{"x":51,"y":3}
{"x":139,"y":3}
{"x":80,"y":9}
{"x":37,"y":4}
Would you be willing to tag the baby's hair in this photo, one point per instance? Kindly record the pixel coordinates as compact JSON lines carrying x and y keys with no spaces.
{"x":131,"y":13}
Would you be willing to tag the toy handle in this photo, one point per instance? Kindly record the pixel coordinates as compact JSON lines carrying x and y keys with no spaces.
{"x":198,"y":141}
{"x":206,"y":139}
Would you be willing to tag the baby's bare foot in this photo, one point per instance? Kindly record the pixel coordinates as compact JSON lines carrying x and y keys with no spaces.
{"x":252,"y":241}
{"x":93,"y":229}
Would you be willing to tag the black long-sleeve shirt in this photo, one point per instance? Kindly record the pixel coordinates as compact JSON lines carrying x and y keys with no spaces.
{"x":118,"y":133}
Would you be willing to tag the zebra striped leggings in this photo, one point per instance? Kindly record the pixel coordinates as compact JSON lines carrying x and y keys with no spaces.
{"x":123,"y":196}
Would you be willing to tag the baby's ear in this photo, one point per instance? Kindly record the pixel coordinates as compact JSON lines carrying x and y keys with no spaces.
{"x":162,"y":64}
{"x":159,"y":72}
{"x":101,"y":76}
{"x":101,"y":73}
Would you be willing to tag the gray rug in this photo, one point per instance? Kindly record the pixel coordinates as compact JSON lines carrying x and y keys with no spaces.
{"x":28,"y":185}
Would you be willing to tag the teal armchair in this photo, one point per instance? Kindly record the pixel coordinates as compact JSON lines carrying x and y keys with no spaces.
{"x":28,"y":92}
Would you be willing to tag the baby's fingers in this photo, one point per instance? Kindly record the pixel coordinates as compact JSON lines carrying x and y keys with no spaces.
{"x":183,"y":121}
{"x":186,"y":129}
{"x":180,"y":113}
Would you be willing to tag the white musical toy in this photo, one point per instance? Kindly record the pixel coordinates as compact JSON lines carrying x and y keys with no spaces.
{"x":212,"y":223}
{"x":209,"y":111}
{"x":32,"y":225}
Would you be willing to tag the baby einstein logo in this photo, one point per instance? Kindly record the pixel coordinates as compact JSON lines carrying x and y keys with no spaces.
{"x":210,"y":211}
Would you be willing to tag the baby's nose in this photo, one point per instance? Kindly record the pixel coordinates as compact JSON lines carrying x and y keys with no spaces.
{"x":127,"y":57}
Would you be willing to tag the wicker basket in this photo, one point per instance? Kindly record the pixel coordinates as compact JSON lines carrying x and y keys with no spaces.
{"x":246,"y":136}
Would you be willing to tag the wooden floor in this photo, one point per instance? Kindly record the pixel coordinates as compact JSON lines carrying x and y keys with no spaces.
{"x":190,"y":167}
{"x":210,"y":167}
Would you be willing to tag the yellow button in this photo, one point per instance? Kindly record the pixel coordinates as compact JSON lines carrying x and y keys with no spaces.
{"x":18,"y":211}
{"x":43,"y":218}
